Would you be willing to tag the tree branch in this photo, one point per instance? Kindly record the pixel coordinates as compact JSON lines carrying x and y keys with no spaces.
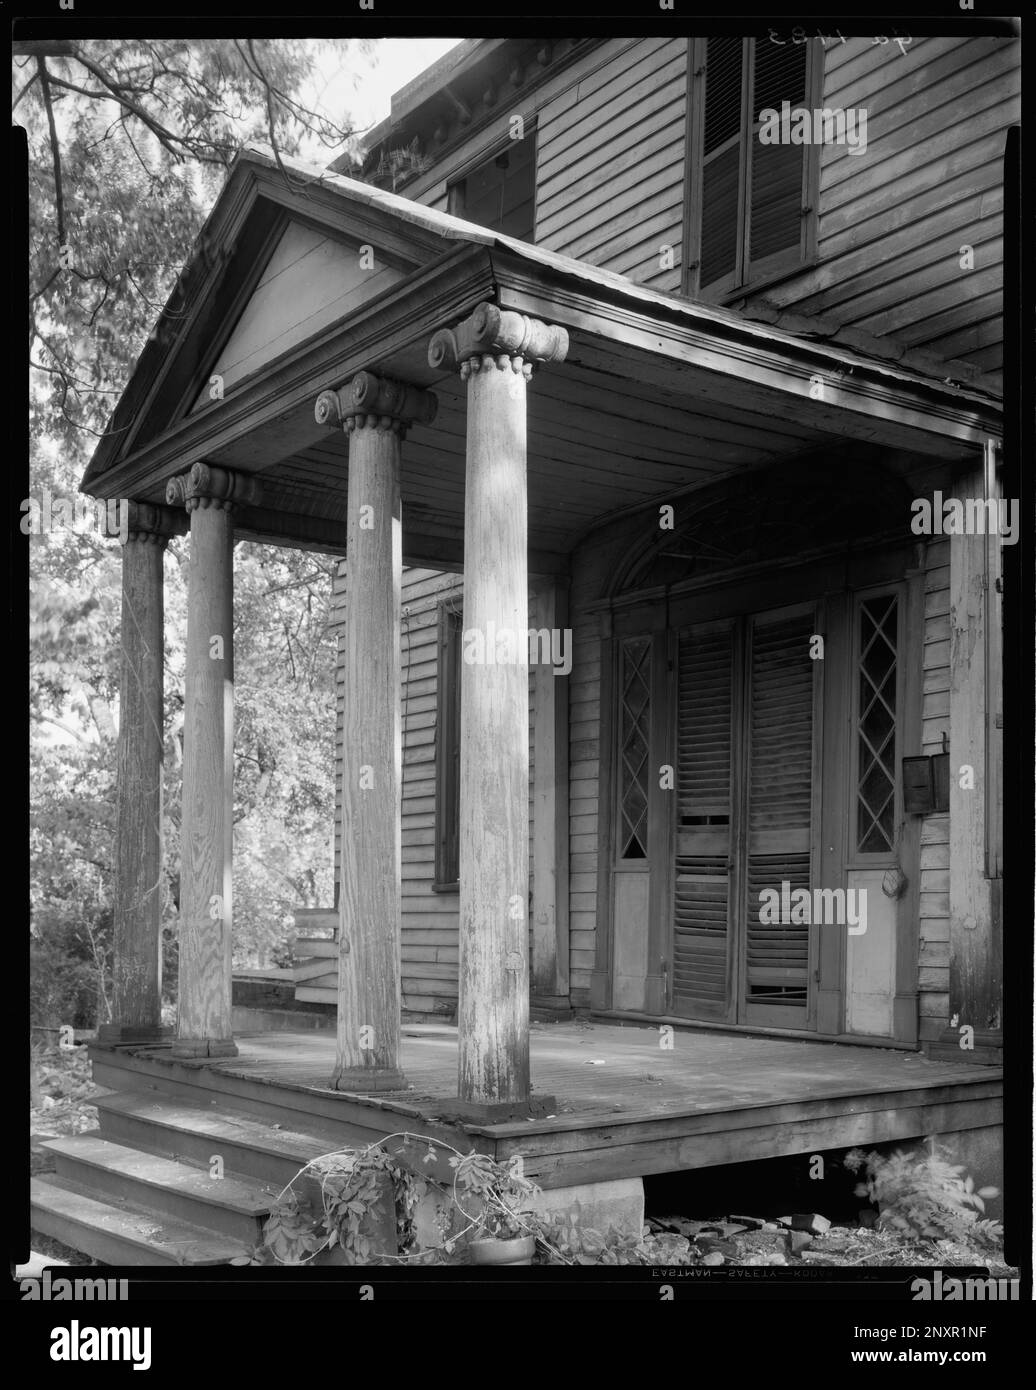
{"x":55,"y":149}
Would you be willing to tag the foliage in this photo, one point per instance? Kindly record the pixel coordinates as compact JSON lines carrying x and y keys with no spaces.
{"x":359,"y":1187}
{"x":127,"y":142}
{"x":500,"y":1191}
{"x":924,"y":1196}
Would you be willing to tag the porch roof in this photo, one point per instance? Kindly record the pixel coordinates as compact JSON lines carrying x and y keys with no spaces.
{"x":658,"y":395}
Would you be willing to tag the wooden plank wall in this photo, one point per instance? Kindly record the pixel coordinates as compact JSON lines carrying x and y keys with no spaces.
{"x":591,"y":564}
{"x":934,"y":952}
{"x":610,"y":137}
{"x":892,"y":221}
{"x":610,"y":164}
{"x":430,"y":921}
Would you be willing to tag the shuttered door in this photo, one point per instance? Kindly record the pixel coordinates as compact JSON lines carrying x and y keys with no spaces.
{"x":779,"y":820}
{"x":702,"y":940}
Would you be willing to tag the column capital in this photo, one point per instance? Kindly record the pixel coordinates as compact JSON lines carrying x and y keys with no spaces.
{"x":208,"y":486}
{"x":152,"y":524}
{"x":375,"y":402}
{"x":492,"y":336}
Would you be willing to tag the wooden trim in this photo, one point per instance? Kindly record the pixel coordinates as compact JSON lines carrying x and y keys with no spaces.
{"x":975,"y":946}
{"x":691,"y":236}
{"x":227,"y":319}
{"x":908,"y":411}
{"x":550,"y":820}
{"x":447,"y":775}
{"x":811,"y":173}
{"x":659,"y":837}
{"x":908,"y":916}
{"x":601,"y":980}
{"x":830,"y":871}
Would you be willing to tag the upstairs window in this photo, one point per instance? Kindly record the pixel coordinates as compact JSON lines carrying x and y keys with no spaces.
{"x":500,"y":193}
{"x":751,"y":208}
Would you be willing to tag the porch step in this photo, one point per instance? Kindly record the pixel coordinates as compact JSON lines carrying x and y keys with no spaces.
{"x":118,"y":1233}
{"x":317,"y":994}
{"x":178,"y":1130}
{"x":234,"y":1206}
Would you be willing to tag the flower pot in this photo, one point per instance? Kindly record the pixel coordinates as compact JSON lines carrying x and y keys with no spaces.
{"x":491,"y":1250}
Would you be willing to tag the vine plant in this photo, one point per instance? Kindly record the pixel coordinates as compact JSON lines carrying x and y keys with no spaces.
{"x":337,"y":1200}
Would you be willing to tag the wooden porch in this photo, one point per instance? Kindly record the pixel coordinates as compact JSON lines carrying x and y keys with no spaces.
{"x":142,"y":1190}
{"x":625,"y":1106}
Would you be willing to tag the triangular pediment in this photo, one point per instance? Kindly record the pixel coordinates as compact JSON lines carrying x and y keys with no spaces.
{"x":312,"y":279}
{"x":284,"y":254}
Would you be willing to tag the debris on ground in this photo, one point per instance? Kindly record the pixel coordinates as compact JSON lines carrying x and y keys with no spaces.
{"x":806,"y":1238}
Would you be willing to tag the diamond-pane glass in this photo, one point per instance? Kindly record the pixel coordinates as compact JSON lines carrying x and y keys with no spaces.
{"x":876,"y":726}
{"x":633,"y":748}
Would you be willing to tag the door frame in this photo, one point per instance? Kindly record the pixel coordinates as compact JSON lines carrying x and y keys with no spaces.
{"x":829,"y":582}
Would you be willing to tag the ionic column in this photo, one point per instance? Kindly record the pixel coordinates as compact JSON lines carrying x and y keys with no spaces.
{"x":376,"y":413}
{"x":203,"y":1027}
{"x":495,"y":351}
{"x":137,"y":897}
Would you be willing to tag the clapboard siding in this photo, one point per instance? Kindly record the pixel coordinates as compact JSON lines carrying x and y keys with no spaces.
{"x":610,"y":142}
{"x":590,"y":568}
{"x":611,"y":146}
{"x":430,"y":922}
{"x":934,"y":940}
{"x":892,"y":221}
{"x":579,"y":81}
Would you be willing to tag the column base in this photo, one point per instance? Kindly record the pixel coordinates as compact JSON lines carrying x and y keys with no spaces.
{"x":201,"y":1048}
{"x":363,"y":1080}
{"x":127,"y":1034}
{"x":493,"y":1112}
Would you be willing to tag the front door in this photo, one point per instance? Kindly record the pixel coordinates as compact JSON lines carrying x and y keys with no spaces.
{"x":747,"y":775}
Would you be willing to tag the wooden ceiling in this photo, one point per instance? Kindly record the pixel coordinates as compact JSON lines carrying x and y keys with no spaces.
{"x":600,"y":441}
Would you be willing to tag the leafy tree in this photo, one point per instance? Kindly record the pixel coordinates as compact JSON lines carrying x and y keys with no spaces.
{"x":128,"y":143}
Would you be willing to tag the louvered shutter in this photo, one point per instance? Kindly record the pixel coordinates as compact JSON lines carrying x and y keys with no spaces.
{"x":780,"y":799}
{"x":776,"y":171}
{"x":721,"y":159}
{"x":701,"y":935}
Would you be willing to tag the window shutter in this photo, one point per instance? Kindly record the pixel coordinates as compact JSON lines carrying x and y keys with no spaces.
{"x":702,"y":888}
{"x":776,"y":171}
{"x":724,"y":62}
{"x":780,"y":804}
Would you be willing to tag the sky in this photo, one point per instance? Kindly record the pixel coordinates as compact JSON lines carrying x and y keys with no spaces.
{"x":364,"y":91}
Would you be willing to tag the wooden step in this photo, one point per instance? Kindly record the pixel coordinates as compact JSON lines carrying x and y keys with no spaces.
{"x":309,"y":970}
{"x":316,"y":994}
{"x":119,"y":1234}
{"x":308,"y":1110}
{"x":177,"y":1130}
{"x":235,"y":1206}
{"x":307,"y":946}
{"x":317,"y":918}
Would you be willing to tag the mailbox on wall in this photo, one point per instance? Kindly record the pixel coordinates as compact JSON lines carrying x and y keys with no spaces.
{"x":926,"y":784}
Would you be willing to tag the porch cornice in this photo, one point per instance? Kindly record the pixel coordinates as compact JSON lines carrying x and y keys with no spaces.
{"x":405,"y":315}
{"x":690,"y":334}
